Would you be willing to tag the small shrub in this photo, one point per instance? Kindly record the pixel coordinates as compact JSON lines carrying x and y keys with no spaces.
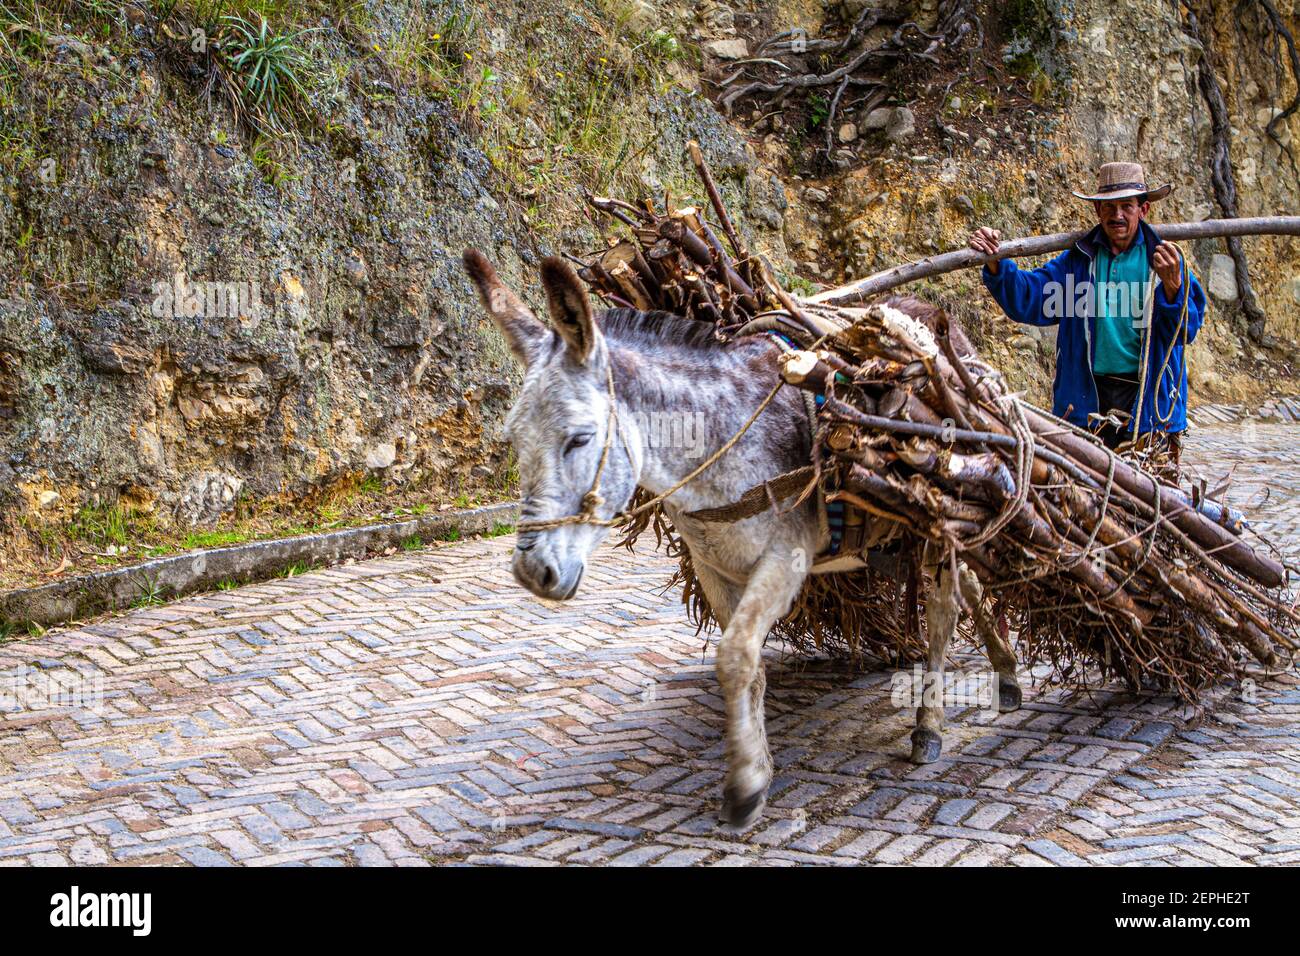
{"x":267,"y":66}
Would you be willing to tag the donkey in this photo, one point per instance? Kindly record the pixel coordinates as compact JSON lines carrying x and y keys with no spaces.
{"x":652,"y":363}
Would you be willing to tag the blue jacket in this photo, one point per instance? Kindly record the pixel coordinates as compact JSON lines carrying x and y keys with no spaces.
{"x":1029,"y":297}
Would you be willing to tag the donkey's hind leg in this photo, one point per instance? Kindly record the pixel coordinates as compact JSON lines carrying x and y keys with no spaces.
{"x":941,"y":611}
{"x":996,"y":646}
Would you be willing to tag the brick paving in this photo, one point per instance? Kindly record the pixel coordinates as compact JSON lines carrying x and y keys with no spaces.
{"x":421,"y":709}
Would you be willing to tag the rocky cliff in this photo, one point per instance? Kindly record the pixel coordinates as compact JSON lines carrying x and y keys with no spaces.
{"x":236,"y":304}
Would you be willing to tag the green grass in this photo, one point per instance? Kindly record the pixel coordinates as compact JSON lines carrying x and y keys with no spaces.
{"x":295,"y":569}
{"x":229,"y":584}
{"x":16,"y":630}
{"x":500,"y":528}
{"x":431,"y":52}
{"x":508,"y":483}
{"x":103,"y":525}
{"x":212,"y":539}
{"x":451,"y":534}
{"x":267,"y":159}
{"x":151,"y":594}
{"x":21,"y":35}
{"x":413,"y":543}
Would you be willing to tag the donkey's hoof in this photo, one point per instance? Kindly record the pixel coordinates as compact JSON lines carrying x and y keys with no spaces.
{"x":739,"y":810}
{"x":926,"y":746}
{"x":1009,"y":697}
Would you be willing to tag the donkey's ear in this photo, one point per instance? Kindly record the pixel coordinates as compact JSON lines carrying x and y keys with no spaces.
{"x":525,"y":335}
{"x":566,"y":297}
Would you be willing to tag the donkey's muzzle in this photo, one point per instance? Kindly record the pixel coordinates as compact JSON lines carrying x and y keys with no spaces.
{"x":539,"y":571}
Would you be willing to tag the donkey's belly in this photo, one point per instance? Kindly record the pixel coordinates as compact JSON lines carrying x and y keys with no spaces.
{"x":732,"y":549}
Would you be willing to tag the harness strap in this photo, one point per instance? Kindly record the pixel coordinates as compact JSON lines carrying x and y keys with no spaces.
{"x":759,"y":498}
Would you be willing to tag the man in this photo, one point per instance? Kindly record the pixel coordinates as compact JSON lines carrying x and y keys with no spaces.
{"x":1126,"y":304}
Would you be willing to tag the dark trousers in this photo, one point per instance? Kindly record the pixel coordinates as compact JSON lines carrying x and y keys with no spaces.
{"x":1118,"y":395}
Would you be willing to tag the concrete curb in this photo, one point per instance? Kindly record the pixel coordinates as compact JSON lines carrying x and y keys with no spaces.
{"x":177,"y":575}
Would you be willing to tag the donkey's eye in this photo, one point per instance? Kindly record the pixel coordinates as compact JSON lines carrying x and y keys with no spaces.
{"x":577,"y":441}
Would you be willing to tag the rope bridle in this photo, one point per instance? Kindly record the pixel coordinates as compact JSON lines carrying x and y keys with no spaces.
{"x":592,"y":499}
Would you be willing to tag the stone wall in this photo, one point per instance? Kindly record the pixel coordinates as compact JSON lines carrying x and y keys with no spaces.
{"x":367,"y":354}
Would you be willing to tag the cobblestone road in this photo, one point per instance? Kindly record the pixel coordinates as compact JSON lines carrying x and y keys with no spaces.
{"x":422,"y":709}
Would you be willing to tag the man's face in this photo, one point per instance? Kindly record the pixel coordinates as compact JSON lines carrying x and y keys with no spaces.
{"x":1119,"y":218}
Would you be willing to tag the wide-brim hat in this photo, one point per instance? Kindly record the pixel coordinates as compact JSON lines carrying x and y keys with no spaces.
{"x":1122,"y":180}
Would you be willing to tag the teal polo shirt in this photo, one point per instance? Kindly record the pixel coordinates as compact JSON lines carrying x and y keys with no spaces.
{"x":1123,"y":282}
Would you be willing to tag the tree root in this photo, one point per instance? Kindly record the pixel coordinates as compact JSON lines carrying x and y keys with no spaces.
{"x":1221,"y":175}
{"x":778,"y":70}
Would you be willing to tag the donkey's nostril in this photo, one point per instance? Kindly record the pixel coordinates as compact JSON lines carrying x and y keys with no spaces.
{"x":548,"y":577}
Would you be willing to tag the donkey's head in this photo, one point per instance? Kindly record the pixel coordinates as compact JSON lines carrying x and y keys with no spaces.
{"x":558,"y":426}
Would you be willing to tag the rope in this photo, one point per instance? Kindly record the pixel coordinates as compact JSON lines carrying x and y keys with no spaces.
{"x":1164,"y":366}
{"x":592,"y":499}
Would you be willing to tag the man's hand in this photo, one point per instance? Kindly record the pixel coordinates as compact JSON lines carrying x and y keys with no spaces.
{"x":1168,"y":265}
{"x":985,"y":240}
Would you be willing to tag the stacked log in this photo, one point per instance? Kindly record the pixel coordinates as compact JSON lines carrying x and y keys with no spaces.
{"x":1098,"y":564}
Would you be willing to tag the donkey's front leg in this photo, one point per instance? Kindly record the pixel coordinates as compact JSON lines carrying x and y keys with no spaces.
{"x":941,"y":611}
{"x":767,"y":596}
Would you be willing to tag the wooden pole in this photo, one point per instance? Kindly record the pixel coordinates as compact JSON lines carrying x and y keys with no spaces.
{"x":1039,"y":245}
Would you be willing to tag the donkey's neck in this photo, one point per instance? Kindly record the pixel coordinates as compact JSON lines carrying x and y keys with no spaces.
{"x":688,"y":402}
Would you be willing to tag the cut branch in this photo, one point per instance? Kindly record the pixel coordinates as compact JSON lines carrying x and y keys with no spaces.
{"x":1094,"y":559}
{"x":1040,"y":245}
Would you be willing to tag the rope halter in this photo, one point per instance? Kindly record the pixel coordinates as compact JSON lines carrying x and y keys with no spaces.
{"x":592,"y":500}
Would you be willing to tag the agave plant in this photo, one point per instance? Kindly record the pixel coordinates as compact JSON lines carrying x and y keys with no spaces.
{"x":269,"y":64}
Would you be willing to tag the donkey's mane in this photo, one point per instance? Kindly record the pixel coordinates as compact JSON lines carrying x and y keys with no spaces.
{"x":656,"y":328}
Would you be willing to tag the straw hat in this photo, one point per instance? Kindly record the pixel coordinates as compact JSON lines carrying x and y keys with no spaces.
{"x":1122,"y":180}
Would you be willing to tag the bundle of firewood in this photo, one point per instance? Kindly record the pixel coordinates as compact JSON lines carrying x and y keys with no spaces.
{"x":1091,"y":559}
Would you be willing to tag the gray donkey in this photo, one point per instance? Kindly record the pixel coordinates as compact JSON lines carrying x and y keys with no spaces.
{"x":655,"y":363}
